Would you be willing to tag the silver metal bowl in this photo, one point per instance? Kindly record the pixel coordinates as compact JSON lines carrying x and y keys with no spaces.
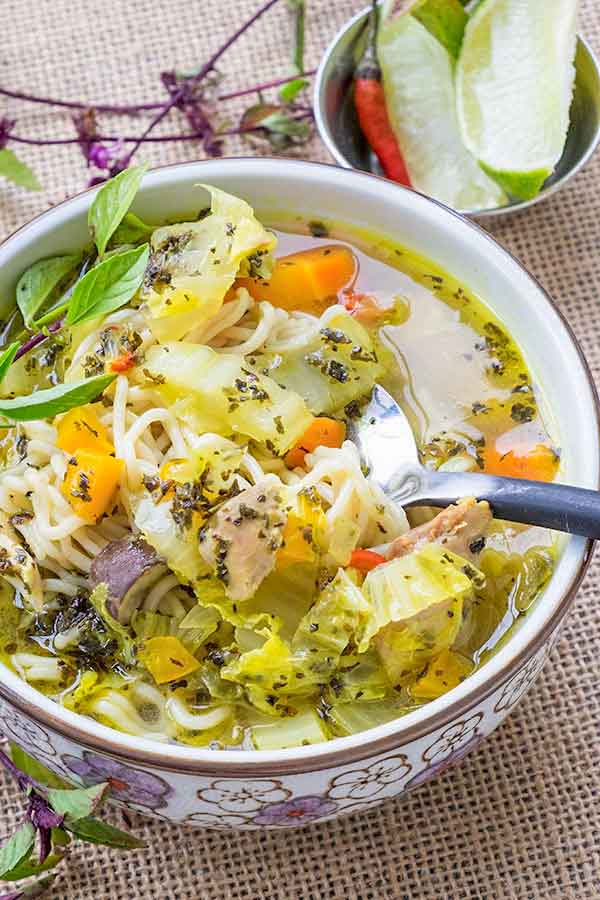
{"x":338,"y":126}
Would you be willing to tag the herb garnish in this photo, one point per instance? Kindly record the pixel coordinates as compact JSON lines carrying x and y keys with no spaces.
{"x":55,"y":814}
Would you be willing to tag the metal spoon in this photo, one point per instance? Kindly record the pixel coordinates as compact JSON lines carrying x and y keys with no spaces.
{"x":388,"y":447}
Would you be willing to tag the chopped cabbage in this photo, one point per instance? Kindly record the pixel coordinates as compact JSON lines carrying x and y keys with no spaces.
{"x":350,"y":718}
{"x":125,"y":647}
{"x":193,"y":264}
{"x":177,"y":546}
{"x":417,"y":604}
{"x":274,"y":674}
{"x":216,"y":392}
{"x":338,"y":364}
{"x":304,"y":728}
{"x":193,"y":630}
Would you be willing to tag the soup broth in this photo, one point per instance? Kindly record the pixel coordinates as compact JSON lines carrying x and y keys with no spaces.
{"x":241,"y":582}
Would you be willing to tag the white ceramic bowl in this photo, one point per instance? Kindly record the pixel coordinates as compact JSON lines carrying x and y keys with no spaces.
{"x":241,"y":789}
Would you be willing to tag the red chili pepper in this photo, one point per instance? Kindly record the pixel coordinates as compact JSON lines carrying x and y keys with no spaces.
{"x":123,"y":363}
{"x":369,"y":101}
{"x":365,"y":560}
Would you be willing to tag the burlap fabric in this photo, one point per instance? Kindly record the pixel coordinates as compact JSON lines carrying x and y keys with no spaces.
{"x":521,"y":817}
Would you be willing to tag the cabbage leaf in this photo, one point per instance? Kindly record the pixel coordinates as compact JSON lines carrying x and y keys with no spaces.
{"x":193,"y":264}
{"x":216,"y":392}
{"x":417,"y":606}
{"x":335,"y":366}
{"x":280,"y":671}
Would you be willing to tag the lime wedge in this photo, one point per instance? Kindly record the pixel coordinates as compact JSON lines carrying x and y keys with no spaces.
{"x":418,"y":79}
{"x":444,"y":19}
{"x":514,"y":84}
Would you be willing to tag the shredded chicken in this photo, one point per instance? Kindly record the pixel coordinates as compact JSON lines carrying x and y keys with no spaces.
{"x":241,"y":540}
{"x":461,"y":528}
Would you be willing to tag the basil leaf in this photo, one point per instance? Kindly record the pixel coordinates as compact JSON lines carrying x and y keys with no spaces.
{"x":29,"y":867}
{"x":59,"y":399}
{"x":131,"y":231}
{"x":60,"y":838}
{"x":32,"y":890}
{"x":34,"y":769}
{"x":280,"y":123}
{"x":37,"y":283}
{"x":7,"y":358}
{"x":18,"y":172}
{"x":95,"y":831}
{"x":108,"y":286}
{"x":111,"y":203}
{"x":290,"y":91}
{"x":77,"y":803}
{"x":17,"y":848}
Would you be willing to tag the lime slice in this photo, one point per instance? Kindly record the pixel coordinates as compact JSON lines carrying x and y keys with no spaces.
{"x":514,"y":84}
{"x":444,"y":19}
{"x":418,"y":78}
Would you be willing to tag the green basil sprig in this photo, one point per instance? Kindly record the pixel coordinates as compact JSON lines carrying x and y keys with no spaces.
{"x":108,"y":286}
{"x":55,"y":400}
{"x":132,"y":230}
{"x":111,"y":203}
{"x":7,"y":358}
{"x":38,"y":281}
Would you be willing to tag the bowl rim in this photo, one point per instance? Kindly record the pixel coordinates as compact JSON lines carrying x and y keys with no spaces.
{"x":178,"y":758}
{"x":490,"y":212}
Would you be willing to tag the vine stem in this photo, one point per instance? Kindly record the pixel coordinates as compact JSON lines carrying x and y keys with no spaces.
{"x":134,"y":108}
{"x":130,"y":139}
{"x":206,"y":68}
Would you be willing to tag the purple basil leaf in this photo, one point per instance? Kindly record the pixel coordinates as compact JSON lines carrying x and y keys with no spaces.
{"x":41,"y":813}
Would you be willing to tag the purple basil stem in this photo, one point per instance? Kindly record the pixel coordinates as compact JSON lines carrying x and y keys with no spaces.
{"x":37,"y":339}
{"x":6,"y":126}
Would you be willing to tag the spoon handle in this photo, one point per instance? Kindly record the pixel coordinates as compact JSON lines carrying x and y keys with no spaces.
{"x":558,"y":506}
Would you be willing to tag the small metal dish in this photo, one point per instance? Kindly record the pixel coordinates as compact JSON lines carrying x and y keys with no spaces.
{"x":338,"y":126}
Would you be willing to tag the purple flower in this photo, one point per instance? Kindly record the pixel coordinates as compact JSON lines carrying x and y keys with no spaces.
{"x":127,"y":784}
{"x":295,"y":812}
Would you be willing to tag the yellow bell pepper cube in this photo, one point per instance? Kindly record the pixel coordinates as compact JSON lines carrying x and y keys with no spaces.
{"x":443,"y":673}
{"x":90,"y":483}
{"x":167,"y":659}
{"x":81,"y":429}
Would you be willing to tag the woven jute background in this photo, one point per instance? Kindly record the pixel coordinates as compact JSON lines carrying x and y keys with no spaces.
{"x":520,"y":818}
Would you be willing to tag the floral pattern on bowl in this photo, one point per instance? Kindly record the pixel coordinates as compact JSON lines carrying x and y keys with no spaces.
{"x":517,"y":686}
{"x":244,"y":796}
{"x":363,"y":784}
{"x":127,"y":784}
{"x":299,"y":811}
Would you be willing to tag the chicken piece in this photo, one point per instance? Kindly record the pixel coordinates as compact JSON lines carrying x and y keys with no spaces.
{"x":241,"y":540}
{"x":461,"y":528}
{"x":17,"y":565}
